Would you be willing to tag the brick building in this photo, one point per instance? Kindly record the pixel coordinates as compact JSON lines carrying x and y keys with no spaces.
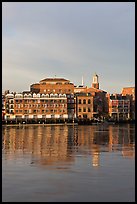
{"x":36,"y":107}
{"x":100,"y":103}
{"x":52,"y":98}
{"x":129,"y":92}
{"x":119,"y":107}
{"x":84,"y":105}
{"x":53,"y":85}
{"x":59,"y":99}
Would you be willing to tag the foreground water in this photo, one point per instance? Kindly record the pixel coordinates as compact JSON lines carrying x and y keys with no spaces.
{"x":68,"y":163}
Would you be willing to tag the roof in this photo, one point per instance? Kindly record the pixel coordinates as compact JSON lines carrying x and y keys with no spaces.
{"x":96,"y":90}
{"x":54,"y":80}
{"x":128,"y":88}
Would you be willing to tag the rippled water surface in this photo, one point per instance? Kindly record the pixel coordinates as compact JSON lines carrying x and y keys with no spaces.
{"x":68,"y":163}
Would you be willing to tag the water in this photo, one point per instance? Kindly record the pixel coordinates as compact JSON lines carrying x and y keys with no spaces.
{"x":68,"y":163}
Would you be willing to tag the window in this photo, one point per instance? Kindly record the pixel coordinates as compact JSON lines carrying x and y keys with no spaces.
{"x":84,"y":115}
{"x":89,"y":101}
{"x":84,"y":109}
{"x":89,"y":110}
{"x":79,"y":110}
{"x":79,"y":101}
{"x":84,"y":101}
{"x":25,"y":101}
{"x":18,"y":116}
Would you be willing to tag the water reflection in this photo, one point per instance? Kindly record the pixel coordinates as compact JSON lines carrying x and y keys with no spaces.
{"x":48,"y":145}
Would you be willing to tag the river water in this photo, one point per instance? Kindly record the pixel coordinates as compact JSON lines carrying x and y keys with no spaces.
{"x":68,"y":163}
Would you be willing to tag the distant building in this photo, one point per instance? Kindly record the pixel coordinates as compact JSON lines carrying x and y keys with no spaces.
{"x":52,"y":99}
{"x":58,"y":99}
{"x":39,"y":106}
{"x":53,"y":85}
{"x":84,"y":105}
{"x":100,"y":105}
{"x":129,"y":92}
{"x":3,"y":106}
{"x":119,"y":107}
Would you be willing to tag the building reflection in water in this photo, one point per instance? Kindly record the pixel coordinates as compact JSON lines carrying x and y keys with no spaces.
{"x":48,"y":145}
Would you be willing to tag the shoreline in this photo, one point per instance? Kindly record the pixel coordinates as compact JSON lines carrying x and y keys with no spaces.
{"x":39,"y":124}
{"x":67,"y":124}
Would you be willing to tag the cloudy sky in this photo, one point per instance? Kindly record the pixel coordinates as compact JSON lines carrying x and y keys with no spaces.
{"x":68,"y":40}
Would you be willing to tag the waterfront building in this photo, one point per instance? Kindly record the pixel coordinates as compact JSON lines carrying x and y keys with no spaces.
{"x":100,"y":103}
{"x":84,"y":105}
{"x":9,"y":106}
{"x":119,"y":107}
{"x":3,"y":106}
{"x":38,"y":106}
{"x":51,"y":98}
{"x":129,"y":92}
{"x":57,"y":99}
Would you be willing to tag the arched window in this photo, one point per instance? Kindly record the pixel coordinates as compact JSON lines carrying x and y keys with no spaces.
{"x":34,"y":95}
{"x":47,"y":95}
{"x":56,"y":95}
{"x":89,"y":101}
{"x":51,"y":95}
{"x":64,"y":95}
{"x":84,"y":101}
{"x":89,"y":110}
{"x":38,"y":95}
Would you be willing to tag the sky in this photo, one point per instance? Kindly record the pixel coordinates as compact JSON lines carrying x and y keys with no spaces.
{"x":68,"y":40}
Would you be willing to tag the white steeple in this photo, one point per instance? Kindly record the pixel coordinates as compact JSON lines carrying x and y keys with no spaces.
{"x":95,"y":78}
{"x":95,"y":81}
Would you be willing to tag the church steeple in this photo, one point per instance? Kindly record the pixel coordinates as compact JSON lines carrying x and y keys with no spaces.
{"x":95,"y":82}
